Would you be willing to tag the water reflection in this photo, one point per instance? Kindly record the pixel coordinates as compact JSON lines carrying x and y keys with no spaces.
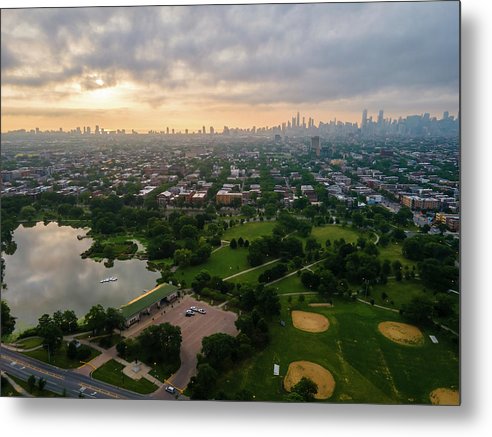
{"x":46,"y":273}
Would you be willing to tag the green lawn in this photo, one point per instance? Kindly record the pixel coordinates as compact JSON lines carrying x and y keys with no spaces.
{"x":398,"y":292}
{"x":163,"y":371}
{"x":393,"y":252}
{"x":366,"y":366}
{"x":252,"y":277}
{"x":223,"y":263}
{"x":7,"y":390}
{"x":29,"y":342}
{"x":60,"y":359}
{"x":292,"y":284}
{"x":334,"y":232}
{"x":111,"y":372}
{"x":249,"y":231}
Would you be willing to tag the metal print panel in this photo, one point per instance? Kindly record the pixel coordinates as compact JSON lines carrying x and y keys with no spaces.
{"x":232,"y":202}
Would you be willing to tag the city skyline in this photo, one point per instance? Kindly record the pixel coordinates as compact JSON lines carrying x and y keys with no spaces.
{"x":296,"y":121}
{"x":71,"y":67}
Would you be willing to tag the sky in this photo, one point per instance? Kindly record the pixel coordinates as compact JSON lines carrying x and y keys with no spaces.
{"x":239,"y":65}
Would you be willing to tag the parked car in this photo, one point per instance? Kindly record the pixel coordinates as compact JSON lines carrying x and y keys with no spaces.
{"x":201,"y":311}
{"x":193,"y":308}
{"x":189,"y":313}
{"x":171,"y":389}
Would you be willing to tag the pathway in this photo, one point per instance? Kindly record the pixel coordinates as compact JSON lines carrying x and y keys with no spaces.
{"x":252,"y":269}
{"x":294,"y":272}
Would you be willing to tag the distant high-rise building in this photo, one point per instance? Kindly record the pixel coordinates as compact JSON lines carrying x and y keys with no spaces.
{"x":212,"y":130}
{"x":380,"y":117}
{"x":204,"y":131}
{"x":37,"y":130}
{"x":186,"y":131}
{"x":304,"y":122}
{"x":167,"y":130}
{"x":445,"y":115}
{"x":363,"y":123}
{"x":173,"y":131}
{"x":96,"y":131}
{"x":297,"y":120}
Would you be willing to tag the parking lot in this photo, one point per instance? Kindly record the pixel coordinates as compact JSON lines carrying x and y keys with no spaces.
{"x":193,"y":329}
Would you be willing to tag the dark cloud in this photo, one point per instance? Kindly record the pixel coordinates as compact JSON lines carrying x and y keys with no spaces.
{"x":262,"y":53}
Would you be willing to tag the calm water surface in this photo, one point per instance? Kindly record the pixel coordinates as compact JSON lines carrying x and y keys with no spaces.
{"x":46,"y":273}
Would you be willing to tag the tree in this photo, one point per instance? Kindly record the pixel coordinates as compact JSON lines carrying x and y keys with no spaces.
{"x":306,"y":388}
{"x":31,"y":383}
{"x":41,"y":384}
{"x":114,"y":320}
{"x":51,"y":333}
{"x":7,"y":321}
{"x":95,"y":319}
{"x":160,"y":343}
{"x":240,"y":242}
{"x":233,"y":244}
{"x":28,"y":213}
{"x":189,"y":231}
{"x":70,"y":323}
{"x":419,"y":310}
{"x":444,"y":305}
{"x":182,"y":257}
{"x":203,"y":384}
{"x":310,"y":280}
{"x":218,"y":350}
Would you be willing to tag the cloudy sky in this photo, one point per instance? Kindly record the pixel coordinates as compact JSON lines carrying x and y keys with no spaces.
{"x":184,"y":67}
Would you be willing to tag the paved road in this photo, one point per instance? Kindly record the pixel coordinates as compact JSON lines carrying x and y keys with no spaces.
{"x":22,"y":366}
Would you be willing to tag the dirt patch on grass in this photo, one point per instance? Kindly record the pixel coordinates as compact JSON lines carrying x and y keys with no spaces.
{"x":310,"y":322}
{"x":445,"y":396}
{"x":318,"y":374}
{"x":402,"y":333}
{"x":320,"y":305}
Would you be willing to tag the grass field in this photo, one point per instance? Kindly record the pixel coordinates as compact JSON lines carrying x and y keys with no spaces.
{"x":30,"y":342}
{"x":60,"y":358}
{"x":223,"y":263}
{"x":334,"y":232}
{"x":7,"y":390}
{"x":367,"y":367}
{"x":111,"y":372}
{"x":252,"y":277}
{"x":249,"y":231}
{"x":292,"y":284}
{"x":398,"y":292}
{"x":392,"y":252}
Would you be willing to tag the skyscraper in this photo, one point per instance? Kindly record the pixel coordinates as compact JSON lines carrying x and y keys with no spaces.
{"x":380,"y":118}
{"x":297,"y":120}
{"x":315,"y":145}
{"x":363,"y":123}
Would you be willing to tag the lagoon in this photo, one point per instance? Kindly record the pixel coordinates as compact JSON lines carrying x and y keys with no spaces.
{"x":46,"y":273}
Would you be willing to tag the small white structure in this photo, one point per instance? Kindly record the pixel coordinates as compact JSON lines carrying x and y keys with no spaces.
{"x":433,"y":339}
{"x":276,"y":370}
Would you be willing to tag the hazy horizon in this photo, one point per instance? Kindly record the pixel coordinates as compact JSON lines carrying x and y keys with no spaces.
{"x":185,"y":67}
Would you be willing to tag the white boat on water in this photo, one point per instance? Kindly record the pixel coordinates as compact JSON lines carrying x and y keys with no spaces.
{"x":110,"y":279}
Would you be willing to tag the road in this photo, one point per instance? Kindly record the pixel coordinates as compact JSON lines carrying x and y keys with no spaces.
{"x":22,"y":366}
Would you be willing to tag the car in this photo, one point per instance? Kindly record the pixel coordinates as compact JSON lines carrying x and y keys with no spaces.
{"x":193,"y":308}
{"x":189,"y":313}
{"x":201,"y":311}
{"x":171,"y":389}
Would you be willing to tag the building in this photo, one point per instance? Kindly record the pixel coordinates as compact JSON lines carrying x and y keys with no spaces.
{"x":134,"y":310}
{"x":452,"y":221}
{"x":225,"y":197}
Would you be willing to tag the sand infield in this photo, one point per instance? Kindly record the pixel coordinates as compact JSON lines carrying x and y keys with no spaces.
{"x":310,"y":322}
{"x":401,"y":333}
{"x":444,"y":396}
{"x":318,"y":374}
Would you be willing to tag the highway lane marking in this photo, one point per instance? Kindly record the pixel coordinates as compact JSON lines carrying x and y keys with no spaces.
{"x":91,"y":387}
{"x":37,"y":369}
